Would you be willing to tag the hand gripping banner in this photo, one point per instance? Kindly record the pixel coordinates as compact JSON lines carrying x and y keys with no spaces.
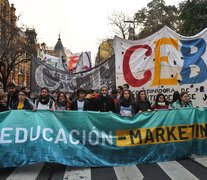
{"x":93,"y":139}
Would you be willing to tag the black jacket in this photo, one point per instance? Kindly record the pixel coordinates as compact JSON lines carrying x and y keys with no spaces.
{"x":104,"y":104}
{"x":91,"y":103}
{"x":143,"y":106}
{"x":27,"y":105}
{"x":126,"y":104}
{"x":3,"y":107}
{"x":74,"y":105}
{"x":12,"y":99}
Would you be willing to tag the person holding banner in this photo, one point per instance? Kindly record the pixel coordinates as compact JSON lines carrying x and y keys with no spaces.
{"x":104,"y":103}
{"x":80,"y":104}
{"x":62,"y":102}
{"x":176,"y":96}
{"x":45,"y":102}
{"x":160,"y":102}
{"x":126,"y":106}
{"x":142,"y":103}
{"x":182,"y":102}
{"x":23,"y":102}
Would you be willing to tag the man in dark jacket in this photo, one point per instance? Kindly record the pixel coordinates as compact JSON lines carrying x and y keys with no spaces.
{"x":80,"y":104}
{"x":3,"y":102}
{"x":104,"y":102}
{"x":12,"y":97}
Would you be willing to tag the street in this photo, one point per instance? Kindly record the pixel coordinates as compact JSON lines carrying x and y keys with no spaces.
{"x":193,"y":168}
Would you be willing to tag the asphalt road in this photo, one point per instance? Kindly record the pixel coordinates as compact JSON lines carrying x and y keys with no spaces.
{"x":187,"y":169}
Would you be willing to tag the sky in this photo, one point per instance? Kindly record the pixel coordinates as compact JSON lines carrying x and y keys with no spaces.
{"x":82,"y":24}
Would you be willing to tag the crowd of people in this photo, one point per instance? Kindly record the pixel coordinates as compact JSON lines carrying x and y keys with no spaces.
{"x":120,"y":100}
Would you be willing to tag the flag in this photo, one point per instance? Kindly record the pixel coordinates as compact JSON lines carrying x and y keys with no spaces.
{"x":84,"y":62}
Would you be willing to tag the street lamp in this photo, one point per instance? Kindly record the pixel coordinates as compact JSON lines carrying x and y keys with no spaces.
{"x":131,"y":30}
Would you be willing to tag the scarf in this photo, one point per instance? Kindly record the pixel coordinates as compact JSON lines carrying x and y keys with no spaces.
{"x":44,"y":100}
{"x":125,"y":102}
{"x":105,"y":99}
{"x":161,"y":104}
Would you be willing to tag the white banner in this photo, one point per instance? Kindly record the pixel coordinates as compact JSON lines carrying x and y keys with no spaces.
{"x":163,"y":63}
{"x":54,"y":61}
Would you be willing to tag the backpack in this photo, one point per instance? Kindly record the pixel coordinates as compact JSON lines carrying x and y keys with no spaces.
{"x":50,"y":103}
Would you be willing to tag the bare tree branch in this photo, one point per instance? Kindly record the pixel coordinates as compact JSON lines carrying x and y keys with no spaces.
{"x":14,"y":49}
{"x":117,"y":20}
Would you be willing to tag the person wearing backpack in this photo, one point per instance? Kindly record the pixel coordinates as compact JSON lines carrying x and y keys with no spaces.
{"x":44,"y":102}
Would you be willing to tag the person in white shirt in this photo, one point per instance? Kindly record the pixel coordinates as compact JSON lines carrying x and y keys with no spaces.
{"x":80,"y":104}
{"x":45,"y":102}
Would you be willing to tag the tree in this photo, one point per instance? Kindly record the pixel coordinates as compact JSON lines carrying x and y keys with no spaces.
{"x":193,"y":16}
{"x":15,"y":49}
{"x":117,"y":20}
{"x":156,"y":16}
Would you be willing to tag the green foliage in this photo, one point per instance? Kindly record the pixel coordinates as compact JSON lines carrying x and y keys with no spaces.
{"x":188,"y":19}
{"x":193,"y":16}
{"x":155,"y":16}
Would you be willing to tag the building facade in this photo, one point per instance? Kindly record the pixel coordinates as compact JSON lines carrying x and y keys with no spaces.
{"x":20,"y":74}
{"x":57,"y":51}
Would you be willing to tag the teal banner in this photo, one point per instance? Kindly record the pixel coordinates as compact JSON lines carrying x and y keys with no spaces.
{"x":101,"y":139}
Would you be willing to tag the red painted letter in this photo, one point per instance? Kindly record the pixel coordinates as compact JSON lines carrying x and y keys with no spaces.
{"x":128,"y":76}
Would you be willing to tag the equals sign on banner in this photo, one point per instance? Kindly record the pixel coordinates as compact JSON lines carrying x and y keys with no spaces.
{"x":121,"y":138}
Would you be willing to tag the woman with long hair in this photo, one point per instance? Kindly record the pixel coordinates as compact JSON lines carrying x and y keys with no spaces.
{"x":126,"y":106}
{"x":182,"y":102}
{"x":142,"y":103}
{"x":160,"y":102}
{"x":176,"y":96}
{"x":62,"y":102}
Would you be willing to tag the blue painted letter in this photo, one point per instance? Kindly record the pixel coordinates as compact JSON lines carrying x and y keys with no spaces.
{"x":193,"y":59}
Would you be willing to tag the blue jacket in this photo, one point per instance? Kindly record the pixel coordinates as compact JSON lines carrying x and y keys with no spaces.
{"x":177,"y":105}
